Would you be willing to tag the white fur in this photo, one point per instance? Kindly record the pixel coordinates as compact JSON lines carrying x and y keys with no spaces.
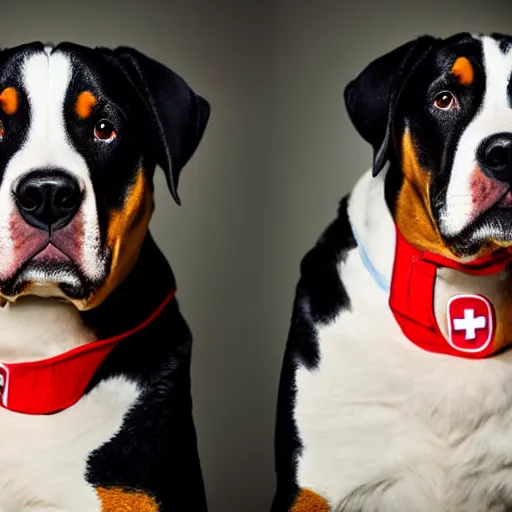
{"x":43,"y":458}
{"x":427,"y":432}
{"x":494,"y":116}
{"x":36,"y":275}
{"x":35,"y":328}
{"x":46,"y":79}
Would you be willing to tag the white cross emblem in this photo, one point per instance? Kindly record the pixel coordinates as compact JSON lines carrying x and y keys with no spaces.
{"x":469,"y":324}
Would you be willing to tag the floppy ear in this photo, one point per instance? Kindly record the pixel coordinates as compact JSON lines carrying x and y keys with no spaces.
{"x":179,"y":114}
{"x":371,"y":98}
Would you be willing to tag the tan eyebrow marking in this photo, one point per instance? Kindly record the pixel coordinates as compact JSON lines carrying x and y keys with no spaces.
{"x":463,"y":70}
{"x":9,"y":100}
{"x":84,"y":104}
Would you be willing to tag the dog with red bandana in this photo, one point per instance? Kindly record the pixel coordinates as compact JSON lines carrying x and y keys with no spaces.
{"x":396,"y":386}
{"x":96,"y":412}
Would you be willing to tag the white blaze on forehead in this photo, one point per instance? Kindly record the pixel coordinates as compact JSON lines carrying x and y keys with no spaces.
{"x":494,"y":116}
{"x":46,"y":79}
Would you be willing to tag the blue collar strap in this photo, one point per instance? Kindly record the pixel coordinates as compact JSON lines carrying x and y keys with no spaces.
{"x":381,"y":281}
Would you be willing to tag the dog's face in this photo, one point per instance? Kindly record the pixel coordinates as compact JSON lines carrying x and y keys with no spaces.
{"x":440,"y":111}
{"x":81,"y":131}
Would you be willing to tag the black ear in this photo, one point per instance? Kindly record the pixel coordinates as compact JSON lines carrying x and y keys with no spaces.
{"x":371,"y":98}
{"x":179,"y":114}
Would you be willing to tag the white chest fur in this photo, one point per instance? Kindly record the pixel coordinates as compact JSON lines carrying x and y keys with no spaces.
{"x":388,"y":427}
{"x":43,"y":458}
{"x":36,"y":328}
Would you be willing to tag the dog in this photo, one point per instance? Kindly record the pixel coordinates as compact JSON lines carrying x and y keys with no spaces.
{"x":95,"y":355}
{"x":396,"y":386}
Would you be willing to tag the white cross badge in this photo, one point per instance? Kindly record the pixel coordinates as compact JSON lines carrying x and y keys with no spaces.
{"x":471,"y":323}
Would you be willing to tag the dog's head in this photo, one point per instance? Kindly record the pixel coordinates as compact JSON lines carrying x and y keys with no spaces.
{"x":440,"y":112}
{"x":81,"y":132}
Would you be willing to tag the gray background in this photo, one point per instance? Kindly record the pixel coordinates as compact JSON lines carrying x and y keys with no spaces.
{"x":277,"y":156}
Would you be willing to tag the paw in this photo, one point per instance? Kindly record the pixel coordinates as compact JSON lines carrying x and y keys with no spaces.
{"x":309,"y":501}
{"x":116,"y":499}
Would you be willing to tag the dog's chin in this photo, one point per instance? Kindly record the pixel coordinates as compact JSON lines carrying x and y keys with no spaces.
{"x":490,"y":231}
{"x":47,"y":279}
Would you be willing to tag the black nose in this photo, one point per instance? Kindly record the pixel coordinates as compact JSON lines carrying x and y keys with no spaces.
{"x":495,"y":156}
{"x":48,"y":199}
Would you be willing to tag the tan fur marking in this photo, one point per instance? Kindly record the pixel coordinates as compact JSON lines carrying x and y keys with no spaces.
{"x":119,"y":500}
{"x":126,"y":231}
{"x":309,"y":501}
{"x":413,"y":213}
{"x":84,"y":104}
{"x":463,"y":70}
{"x":9,"y":101}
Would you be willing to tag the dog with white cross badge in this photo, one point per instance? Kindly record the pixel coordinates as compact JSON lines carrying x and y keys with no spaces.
{"x":396,"y":385}
{"x":96,"y":411}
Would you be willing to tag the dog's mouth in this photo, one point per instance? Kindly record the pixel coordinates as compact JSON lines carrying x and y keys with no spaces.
{"x":47,"y":270}
{"x":69,"y":262}
{"x":491,"y":220}
{"x":505,"y":201}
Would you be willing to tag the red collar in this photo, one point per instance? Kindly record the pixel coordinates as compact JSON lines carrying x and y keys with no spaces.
{"x":56,"y":383}
{"x":471,"y":319}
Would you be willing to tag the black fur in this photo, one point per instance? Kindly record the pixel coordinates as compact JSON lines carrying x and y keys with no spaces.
{"x":371,"y":98}
{"x":15,"y":127}
{"x":179,"y":115}
{"x":320,"y":296}
{"x":504,"y":40}
{"x":155,"y":451}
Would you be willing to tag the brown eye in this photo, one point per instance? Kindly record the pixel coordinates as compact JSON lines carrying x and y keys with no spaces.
{"x":104,"y":131}
{"x":2,"y":130}
{"x":444,"y":100}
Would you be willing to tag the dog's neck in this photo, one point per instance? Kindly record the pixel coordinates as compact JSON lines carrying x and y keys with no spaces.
{"x":372,"y":221}
{"x":35,"y":328}
{"x":134,"y":300}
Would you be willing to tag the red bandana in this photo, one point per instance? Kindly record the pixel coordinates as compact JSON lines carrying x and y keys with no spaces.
{"x":471,"y":318}
{"x":56,"y":383}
